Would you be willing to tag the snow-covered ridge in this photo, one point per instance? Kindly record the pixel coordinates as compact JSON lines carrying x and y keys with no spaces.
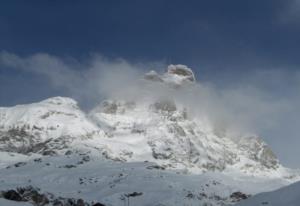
{"x":50,"y":118}
{"x":161,"y":131}
{"x":155,"y":139}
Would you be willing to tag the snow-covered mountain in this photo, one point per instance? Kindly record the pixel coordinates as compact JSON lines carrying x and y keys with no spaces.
{"x":151,"y":145}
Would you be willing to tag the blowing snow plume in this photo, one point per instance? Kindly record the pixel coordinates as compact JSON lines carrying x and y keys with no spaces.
{"x":167,"y":118}
{"x":100,"y":78}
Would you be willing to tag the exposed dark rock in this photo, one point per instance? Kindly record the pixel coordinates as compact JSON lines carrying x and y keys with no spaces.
{"x":86,"y":158}
{"x":165,"y":105}
{"x":37,"y":160}
{"x":158,"y":167}
{"x":19,"y":164}
{"x":134,"y":194}
{"x":176,"y":129}
{"x":35,"y":197}
{"x":98,"y":204}
{"x":69,"y":152}
{"x":182,"y":70}
{"x":256,"y":149}
{"x":109,"y":107}
{"x":237,"y":196}
{"x":12,"y":195}
{"x":24,"y":142}
{"x":80,"y":202}
{"x":69,"y":166}
{"x":190,"y":195}
{"x":160,"y":155}
{"x":49,"y":152}
{"x":57,"y":202}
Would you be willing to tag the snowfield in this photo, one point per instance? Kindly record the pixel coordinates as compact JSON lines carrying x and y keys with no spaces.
{"x":95,"y":180}
{"x":150,"y":151}
{"x":287,"y":196}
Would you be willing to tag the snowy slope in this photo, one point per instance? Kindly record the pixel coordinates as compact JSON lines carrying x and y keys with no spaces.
{"x":5,"y":202}
{"x":59,"y":115}
{"x":43,"y":127}
{"x":287,"y":196}
{"x":81,"y":175}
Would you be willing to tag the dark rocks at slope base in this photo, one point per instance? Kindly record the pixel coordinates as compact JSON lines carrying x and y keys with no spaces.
{"x":98,"y":204}
{"x":134,"y":194}
{"x":238,"y":196}
{"x":157,"y":167}
{"x":12,"y":195}
{"x":32,"y":195}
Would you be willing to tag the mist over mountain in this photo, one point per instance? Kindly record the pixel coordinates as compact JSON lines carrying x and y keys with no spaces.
{"x":161,"y":123}
{"x":246,"y":103}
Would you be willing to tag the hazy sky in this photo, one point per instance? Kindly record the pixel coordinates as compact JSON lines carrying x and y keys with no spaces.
{"x":246,"y":53}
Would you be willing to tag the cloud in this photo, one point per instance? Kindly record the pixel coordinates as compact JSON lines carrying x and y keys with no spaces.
{"x":87,"y":81}
{"x":265,"y":102}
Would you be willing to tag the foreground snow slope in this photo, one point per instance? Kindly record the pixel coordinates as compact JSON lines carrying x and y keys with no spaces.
{"x":287,"y":196}
{"x":81,"y":175}
{"x":5,"y":202}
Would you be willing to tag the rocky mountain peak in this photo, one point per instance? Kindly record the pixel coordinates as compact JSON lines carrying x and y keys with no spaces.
{"x":181,"y":71}
{"x":175,"y":75}
{"x":160,"y":130}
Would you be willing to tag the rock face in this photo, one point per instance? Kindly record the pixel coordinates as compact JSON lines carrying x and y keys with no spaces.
{"x":257,"y":150}
{"x":181,"y":71}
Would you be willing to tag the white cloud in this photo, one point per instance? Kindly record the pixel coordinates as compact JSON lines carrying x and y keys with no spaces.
{"x":266,"y":102}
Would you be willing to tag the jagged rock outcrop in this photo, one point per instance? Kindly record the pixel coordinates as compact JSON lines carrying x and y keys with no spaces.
{"x":256,"y":149}
{"x":176,"y":75}
{"x":181,"y":71}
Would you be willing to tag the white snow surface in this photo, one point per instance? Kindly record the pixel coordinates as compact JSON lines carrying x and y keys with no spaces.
{"x":287,"y":196}
{"x":5,"y":202}
{"x":51,"y":118}
{"x":108,"y":182}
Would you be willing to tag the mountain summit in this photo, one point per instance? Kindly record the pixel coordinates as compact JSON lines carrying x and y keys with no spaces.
{"x":159,"y":130}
